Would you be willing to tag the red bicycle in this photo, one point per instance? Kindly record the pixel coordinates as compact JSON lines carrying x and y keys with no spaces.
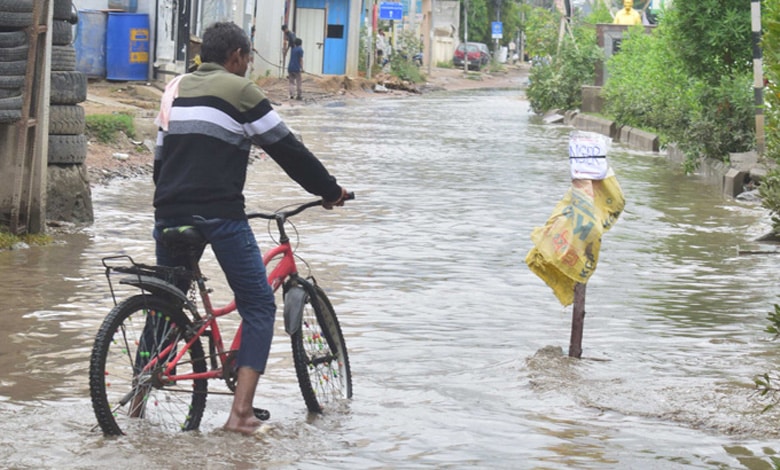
{"x":148,"y":365}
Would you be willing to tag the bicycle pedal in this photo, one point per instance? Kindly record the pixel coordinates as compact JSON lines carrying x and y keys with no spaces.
{"x":261,"y":414}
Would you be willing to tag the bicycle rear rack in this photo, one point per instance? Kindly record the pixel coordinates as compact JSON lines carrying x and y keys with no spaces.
{"x":171,"y":275}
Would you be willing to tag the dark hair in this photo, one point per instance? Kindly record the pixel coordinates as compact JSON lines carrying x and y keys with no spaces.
{"x":284,"y":27}
{"x":220,"y":40}
{"x":298,"y":41}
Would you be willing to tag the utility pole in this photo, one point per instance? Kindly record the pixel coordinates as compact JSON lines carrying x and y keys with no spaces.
{"x":498,"y":19}
{"x":758,"y":75}
{"x":412,"y":14}
{"x":521,"y":34}
{"x":432,"y":40}
{"x":466,"y":36}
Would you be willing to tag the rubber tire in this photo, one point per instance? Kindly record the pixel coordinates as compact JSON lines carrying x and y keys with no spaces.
{"x":12,"y":19}
{"x":16,"y":67}
{"x":63,"y":9}
{"x":12,"y":81}
{"x":13,"y":38}
{"x":13,"y":103}
{"x":132,"y":314}
{"x":66,"y":119}
{"x":10,"y":92}
{"x":68,"y":87}
{"x":9,"y":116}
{"x":18,"y":6}
{"x":61,"y":33}
{"x":63,"y":58}
{"x":319,"y":320}
{"x":70,"y":149}
{"x":9,"y":54}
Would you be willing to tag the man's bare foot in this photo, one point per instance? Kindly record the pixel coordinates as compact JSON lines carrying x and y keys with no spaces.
{"x":245,"y":426}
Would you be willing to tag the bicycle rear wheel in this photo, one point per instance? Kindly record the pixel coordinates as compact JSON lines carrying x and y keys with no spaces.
{"x":127,"y":397}
{"x":320,"y":353}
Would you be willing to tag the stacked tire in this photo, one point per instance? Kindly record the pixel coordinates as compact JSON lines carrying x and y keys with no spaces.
{"x":67,"y":142}
{"x":15,"y":16}
{"x":68,"y":193}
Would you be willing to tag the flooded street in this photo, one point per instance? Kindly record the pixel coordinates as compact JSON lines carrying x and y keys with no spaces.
{"x":452,"y":339}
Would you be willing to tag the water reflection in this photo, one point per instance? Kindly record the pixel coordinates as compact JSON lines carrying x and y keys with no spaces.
{"x":448,"y":330}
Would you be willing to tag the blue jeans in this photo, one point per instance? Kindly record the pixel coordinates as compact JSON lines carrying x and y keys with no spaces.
{"x":239,"y":256}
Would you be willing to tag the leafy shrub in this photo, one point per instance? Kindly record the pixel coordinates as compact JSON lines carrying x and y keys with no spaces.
{"x":770,"y":44}
{"x":725,"y":122}
{"x":767,"y":384}
{"x":401,"y":60}
{"x":712,"y":37}
{"x":557,"y":83}
{"x":647,"y":87}
{"x":541,"y":30}
{"x":769,"y":190}
{"x":104,"y":127}
{"x":650,"y":86}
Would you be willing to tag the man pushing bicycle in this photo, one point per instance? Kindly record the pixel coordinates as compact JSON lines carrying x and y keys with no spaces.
{"x":208,"y":121}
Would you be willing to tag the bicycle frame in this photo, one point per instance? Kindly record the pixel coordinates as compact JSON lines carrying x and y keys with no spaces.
{"x":285,"y":268}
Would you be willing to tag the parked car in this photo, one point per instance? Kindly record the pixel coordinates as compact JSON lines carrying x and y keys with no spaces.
{"x":478,"y":55}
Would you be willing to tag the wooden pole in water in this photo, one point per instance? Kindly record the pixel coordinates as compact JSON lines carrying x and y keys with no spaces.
{"x":577,"y":321}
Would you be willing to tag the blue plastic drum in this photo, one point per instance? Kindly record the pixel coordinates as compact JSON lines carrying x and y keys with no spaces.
{"x":127,"y":46}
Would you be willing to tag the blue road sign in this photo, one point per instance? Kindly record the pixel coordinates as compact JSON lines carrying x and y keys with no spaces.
{"x":391,"y":11}
{"x":497,"y":29}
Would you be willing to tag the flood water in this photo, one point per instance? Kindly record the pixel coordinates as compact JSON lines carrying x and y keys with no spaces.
{"x":451,"y":338}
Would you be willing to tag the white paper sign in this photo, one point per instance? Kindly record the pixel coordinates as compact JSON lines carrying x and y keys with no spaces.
{"x":588,"y":155}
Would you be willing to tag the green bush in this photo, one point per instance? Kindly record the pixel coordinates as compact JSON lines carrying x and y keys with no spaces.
{"x":769,"y":190}
{"x":557,"y":83}
{"x":646,"y":86}
{"x":401,"y":60}
{"x":541,"y":30}
{"x":650,"y":86}
{"x":105,"y":127}
{"x":725,"y":122}
{"x":770,"y":44}
{"x":712,"y":37}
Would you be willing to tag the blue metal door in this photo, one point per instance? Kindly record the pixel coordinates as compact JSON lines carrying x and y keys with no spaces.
{"x":336,"y":33}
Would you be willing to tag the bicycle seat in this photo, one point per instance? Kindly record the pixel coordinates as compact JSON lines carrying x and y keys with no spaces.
{"x":184,"y":236}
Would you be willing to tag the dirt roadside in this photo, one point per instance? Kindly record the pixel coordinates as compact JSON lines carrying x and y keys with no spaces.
{"x":127,"y":157}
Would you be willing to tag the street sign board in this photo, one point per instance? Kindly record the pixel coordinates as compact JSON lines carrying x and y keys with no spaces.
{"x":391,"y":11}
{"x":497,"y":29}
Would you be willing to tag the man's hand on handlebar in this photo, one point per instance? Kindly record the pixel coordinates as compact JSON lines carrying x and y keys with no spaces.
{"x":339,"y":202}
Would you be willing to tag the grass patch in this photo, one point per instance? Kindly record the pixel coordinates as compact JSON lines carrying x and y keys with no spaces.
{"x":105,"y":127}
{"x":7,"y":240}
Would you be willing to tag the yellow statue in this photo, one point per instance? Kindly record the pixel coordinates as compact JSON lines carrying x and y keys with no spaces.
{"x":628,"y":15}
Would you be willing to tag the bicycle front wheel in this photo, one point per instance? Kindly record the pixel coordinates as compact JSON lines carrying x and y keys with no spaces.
{"x":137,"y":340}
{"x":320,"y":353}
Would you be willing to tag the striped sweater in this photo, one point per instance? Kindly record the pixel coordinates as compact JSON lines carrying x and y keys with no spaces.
{"x":200,"y":162}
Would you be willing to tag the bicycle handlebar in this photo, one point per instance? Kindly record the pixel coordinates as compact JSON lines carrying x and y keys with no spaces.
{"x":287,"y":214}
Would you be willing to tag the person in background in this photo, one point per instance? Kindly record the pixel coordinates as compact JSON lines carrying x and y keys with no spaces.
{"x":627,"y":15}
{"x":512,"y":54}
{"x":207,"y":124}
{"x":289,"y":41}
{"x":381,"y":48}
{"x":295,"y":70}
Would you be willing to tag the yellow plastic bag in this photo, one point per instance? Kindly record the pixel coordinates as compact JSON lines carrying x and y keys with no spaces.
{"x":566,"y":249}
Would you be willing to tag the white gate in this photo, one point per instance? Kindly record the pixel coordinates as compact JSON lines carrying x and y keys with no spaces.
{"x":311,"y":29}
